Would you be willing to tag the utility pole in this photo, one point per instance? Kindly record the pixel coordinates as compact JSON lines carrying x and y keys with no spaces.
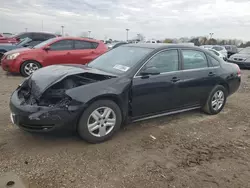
{"x":89,"y":33}
{"x":211,"y":35}
{"x":62,"y":30}
{"x":127,"y":33}
{"x":42,"y":25}
{"x":26,"y":29}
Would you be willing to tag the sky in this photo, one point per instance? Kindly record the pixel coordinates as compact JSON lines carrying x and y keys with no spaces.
{"x":157,"y":19}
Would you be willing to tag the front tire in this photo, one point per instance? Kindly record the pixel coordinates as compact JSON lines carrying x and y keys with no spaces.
{"x":28,"y":67}
{"x":99,"y":121}
{"x":216,"y":100}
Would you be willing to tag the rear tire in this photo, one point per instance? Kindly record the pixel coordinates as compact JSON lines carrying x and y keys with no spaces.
{"x":28,"y":67}
{"x":99,"y":121}
{"x":216,"y":100}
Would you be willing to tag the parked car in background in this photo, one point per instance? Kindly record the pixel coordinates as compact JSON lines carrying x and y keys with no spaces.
{"x":242,"y":58}
{"x":6,"y":34}
{"x":231,"y":50}
{"x":115,"y":45}
{"x":218,"y":48}
{"x":32,"y":35}
{"x":127,"y":84}
{"x":27,"y":42}
{"x":217,"y":53}
{"x":206,"y":46}
{"x":59,"y":50}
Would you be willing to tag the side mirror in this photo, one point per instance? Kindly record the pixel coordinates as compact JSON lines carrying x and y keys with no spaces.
{"x":150,"y":71}
{"x":46,"y":48}
{"x":25,"y":45}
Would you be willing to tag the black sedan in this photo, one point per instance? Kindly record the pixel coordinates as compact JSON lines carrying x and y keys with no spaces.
{"x":131,"y":83}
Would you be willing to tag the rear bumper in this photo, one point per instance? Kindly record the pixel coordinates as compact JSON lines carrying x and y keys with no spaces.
{"x":35,"y":118}
{"x":241,"y":64}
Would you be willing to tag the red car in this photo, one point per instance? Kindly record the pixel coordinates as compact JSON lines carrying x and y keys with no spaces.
{"x":8,"y":38}
{"x":60,"y":50}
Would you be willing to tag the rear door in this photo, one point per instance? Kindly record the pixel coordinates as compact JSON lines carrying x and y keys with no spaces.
{"x":84,"y":51}
{"x":60,"y":52}
{"x":198,"y":78}
{"x":157,"y":93}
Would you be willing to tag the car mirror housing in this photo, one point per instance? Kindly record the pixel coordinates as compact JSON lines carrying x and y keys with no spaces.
{"x":47,"y":48}
{"x":150,"y":71}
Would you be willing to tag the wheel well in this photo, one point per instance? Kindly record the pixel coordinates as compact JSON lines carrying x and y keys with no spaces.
{"x":113,"y":98}
{"x":225,"y":85}
{"x":29,"y":61}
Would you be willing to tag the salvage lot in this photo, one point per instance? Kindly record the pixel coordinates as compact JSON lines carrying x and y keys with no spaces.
{"x":190,"y":150}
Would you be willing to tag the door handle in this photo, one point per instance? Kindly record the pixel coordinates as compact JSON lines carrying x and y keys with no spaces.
{"x":175,"y":79}
{"x":211,"y":74}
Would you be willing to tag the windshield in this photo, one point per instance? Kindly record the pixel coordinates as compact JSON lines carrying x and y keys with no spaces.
{"x":44,"y":43}
{"x":119,"y":60}
{"x":245,"y":51}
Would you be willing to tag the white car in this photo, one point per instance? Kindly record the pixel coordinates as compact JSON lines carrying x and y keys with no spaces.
{"x":218,"y":53}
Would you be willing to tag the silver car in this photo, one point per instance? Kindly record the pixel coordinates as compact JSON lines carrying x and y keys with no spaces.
{"x":242,"y":58}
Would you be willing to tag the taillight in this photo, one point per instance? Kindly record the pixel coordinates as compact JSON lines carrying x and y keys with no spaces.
{"x":239,"y":73}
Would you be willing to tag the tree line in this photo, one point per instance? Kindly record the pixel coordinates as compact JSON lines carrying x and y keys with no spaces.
{"x":199,"y":41}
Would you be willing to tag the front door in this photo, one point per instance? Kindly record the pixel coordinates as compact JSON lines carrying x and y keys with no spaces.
{"x":156,"y":93}
{"x":60,"y":52}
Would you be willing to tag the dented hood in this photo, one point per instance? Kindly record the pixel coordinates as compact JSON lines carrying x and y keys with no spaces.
{"x":44,"y":78}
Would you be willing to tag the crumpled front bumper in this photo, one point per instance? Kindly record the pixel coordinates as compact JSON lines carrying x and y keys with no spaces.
{"x":35,"y":118}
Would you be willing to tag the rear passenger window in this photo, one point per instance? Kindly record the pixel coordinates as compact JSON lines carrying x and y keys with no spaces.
{"x":62,"y":45}
{"x":194,"y":59}
{"x":214,"y":61}
{"x":84,"y":45}
{"x":94,"y":44}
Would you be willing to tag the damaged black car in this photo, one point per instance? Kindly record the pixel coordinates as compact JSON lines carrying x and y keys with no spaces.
{"x":131,"y":83}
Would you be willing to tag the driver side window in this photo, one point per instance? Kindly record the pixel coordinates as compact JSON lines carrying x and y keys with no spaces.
{"x":166,"y":61}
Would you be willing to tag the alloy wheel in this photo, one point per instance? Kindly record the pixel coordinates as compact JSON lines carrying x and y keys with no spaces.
{"x":101,"y":121}
{"x":218,"y":100}
{"x":29,"y":68}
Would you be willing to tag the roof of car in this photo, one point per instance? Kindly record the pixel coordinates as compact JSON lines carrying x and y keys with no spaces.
{"x":161,"y":45}
{"x":79,"y":38}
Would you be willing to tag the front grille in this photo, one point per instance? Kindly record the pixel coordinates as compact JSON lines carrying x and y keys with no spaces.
{"x":238,"y":59}
{"x":37,"y":126}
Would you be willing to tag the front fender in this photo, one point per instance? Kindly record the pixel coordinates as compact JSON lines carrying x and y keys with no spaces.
{"x":116,"y":88}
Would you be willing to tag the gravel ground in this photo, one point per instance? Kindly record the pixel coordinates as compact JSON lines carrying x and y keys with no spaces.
{"x":190,"y":150}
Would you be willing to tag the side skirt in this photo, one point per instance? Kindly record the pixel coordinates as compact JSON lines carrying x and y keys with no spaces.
{"x":165,"y":114}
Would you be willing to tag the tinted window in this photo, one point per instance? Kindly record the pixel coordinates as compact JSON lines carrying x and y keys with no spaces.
{"x":62,"y":45}
{"x":194,"y":59}
{"x":94,"y":44}
{"x":166,"y":61}
{"x":120,"y":60}
{"x":83,"y":45}
{"x":44,"y":43}
{"x":214,"y":61}
{"x":43,"y":36}
{"x":24,"y":35}
{"x":34,"y":43}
